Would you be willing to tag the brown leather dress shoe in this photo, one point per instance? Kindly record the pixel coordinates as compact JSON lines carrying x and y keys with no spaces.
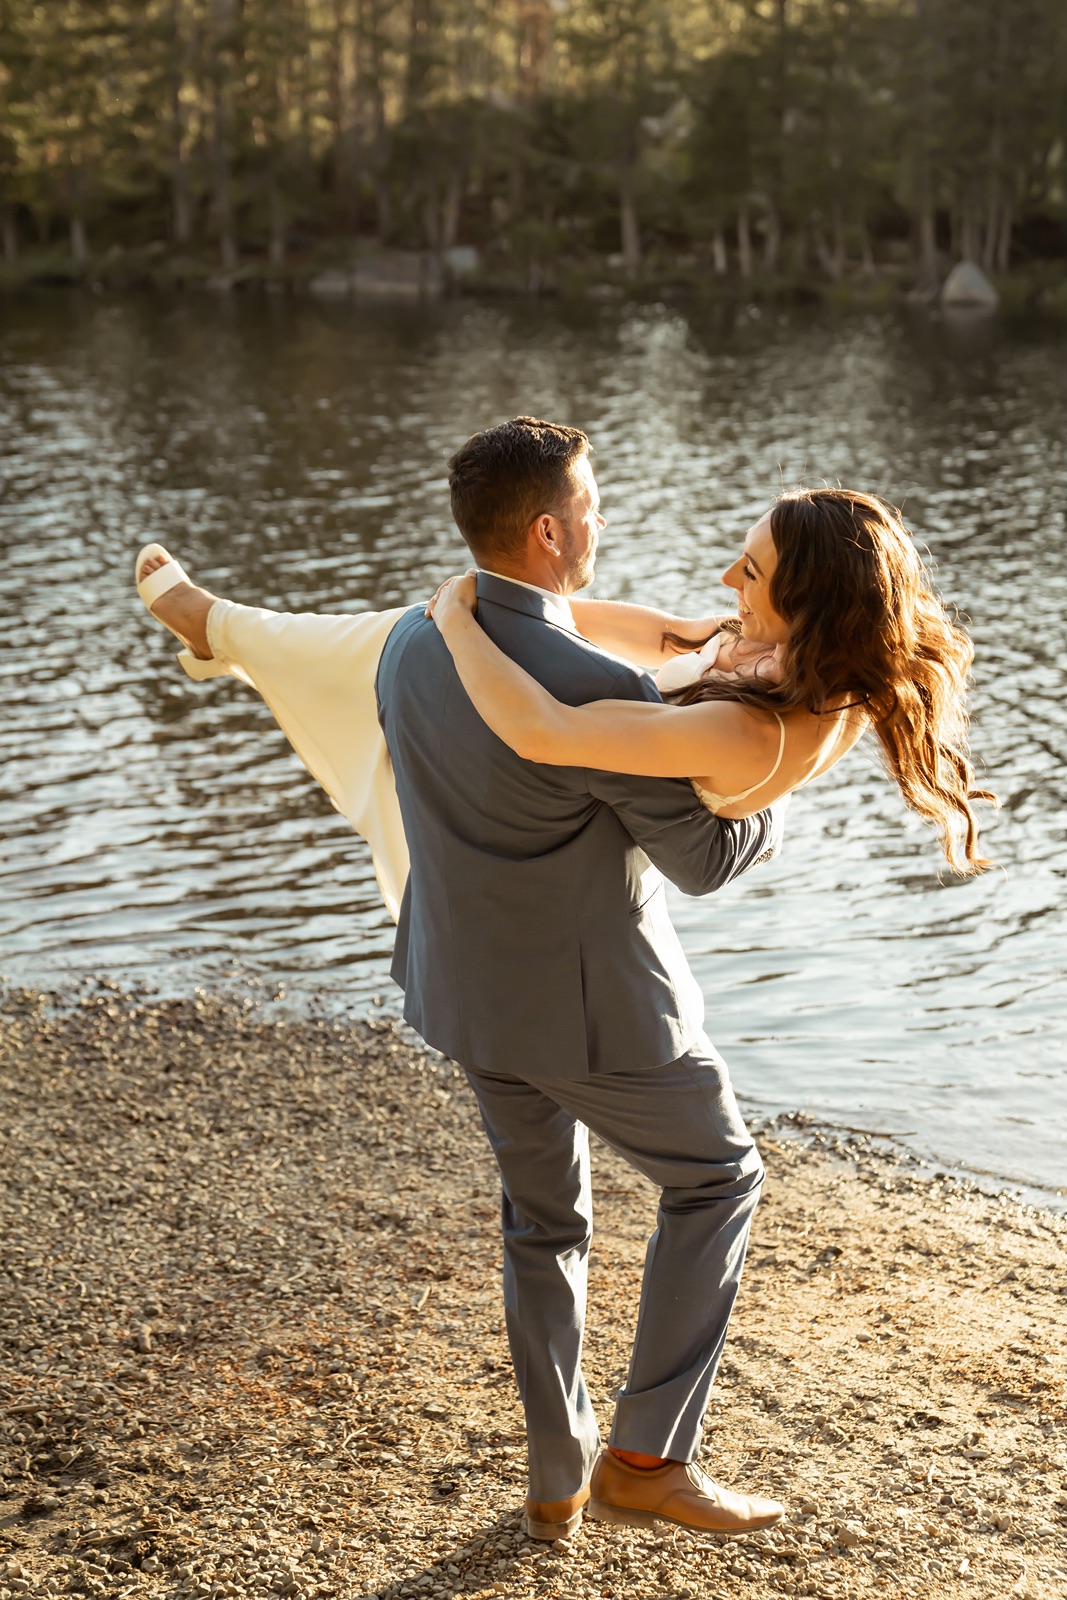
{"x":678,"y":1492}
{"x":555,"y":1519}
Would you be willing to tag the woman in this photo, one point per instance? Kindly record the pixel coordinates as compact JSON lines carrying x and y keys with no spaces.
{"x":837,"y":630}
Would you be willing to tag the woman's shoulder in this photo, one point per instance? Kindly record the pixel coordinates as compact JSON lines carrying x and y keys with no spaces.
{"x":751,"y":728}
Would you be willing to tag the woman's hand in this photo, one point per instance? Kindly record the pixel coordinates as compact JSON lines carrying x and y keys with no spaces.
{"x":455,"y":599}
{"x":695,"y":630}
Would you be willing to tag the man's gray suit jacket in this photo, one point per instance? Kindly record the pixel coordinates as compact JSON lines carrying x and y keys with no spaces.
{"x":534,"y":938}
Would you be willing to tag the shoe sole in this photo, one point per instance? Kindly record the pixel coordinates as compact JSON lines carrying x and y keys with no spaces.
{"x":624,"y":1517}
{"x":551,"y":1530}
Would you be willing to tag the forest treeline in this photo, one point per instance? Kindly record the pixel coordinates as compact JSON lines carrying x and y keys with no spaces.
{"x":759,"y":136}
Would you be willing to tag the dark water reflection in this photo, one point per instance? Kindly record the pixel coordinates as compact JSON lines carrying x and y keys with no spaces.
{"x":293,"y":454}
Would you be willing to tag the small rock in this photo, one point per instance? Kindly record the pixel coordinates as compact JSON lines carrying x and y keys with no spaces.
{"x":850,"y":1534}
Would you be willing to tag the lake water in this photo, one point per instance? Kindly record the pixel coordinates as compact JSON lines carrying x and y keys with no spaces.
{"x":293,"y":454}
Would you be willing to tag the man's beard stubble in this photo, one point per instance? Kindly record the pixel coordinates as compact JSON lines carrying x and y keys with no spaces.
{"x":580,"y":563}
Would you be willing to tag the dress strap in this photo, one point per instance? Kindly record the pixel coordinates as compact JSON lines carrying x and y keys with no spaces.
{"x":717,"y":801}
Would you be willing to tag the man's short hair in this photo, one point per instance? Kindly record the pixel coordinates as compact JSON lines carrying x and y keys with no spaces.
{"x":505,"y":477}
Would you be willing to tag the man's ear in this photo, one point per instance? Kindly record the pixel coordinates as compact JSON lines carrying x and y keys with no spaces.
{"x":546,"y":533}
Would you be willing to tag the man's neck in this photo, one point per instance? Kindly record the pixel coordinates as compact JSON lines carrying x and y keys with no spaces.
{"x":540,"y":579}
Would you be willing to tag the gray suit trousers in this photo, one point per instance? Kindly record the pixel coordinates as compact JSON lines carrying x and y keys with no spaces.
{"x":679,"y":1125}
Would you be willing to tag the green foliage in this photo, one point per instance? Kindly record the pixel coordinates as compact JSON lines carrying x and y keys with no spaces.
{"x":766,"y":136}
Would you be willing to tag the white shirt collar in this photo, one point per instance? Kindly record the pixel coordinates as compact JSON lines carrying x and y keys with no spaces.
{"x":559,"y":601}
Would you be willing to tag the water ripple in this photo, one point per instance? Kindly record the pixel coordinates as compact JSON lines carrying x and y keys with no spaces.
{"x":294,"y":455}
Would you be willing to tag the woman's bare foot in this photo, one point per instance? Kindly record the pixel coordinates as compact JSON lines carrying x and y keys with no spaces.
{"x":182,"y":609}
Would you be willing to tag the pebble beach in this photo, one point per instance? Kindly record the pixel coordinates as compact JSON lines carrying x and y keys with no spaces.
{"x":251,"y":1337}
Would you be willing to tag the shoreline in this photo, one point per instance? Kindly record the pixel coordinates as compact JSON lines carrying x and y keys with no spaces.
{"x":823,"y":1131}
{"x":1039,"y":288}
{"x":253,"y":1338}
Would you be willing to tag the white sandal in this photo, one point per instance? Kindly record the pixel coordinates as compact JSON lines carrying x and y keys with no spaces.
{"x":155,"y":585}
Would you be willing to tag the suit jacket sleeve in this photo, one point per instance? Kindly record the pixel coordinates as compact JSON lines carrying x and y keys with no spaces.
{"x":695,"y":849}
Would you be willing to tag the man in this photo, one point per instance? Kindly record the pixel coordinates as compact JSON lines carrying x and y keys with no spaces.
{"x":535,"y":949}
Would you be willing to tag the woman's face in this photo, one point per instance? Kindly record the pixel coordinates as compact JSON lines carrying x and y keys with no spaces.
{"x":751,"y":576}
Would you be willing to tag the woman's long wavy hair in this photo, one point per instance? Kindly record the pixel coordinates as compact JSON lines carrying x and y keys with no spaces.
{"x":866,"y":627}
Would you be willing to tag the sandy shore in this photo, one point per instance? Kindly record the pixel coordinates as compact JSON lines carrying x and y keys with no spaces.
{"x":251,"y":1339}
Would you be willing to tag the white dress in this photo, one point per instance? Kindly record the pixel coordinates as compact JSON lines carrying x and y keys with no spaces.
{"x":317,"y":674}
{"x":679,"y":673}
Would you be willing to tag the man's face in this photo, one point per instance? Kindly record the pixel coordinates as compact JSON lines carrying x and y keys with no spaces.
{"x":581,"y":524}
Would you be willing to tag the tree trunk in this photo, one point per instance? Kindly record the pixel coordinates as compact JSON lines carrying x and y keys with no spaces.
{"x":450,"y":209}
{"x":371,"y":28}
{"x":772,"y":239}
{"x":718,"y":252}
{"x":181,"y":213}
{"x":927,"y":242}
{"x":431,"y":221}
{"x":997,"y":202}
{"x":922,"y":135}
{"x":516,"y":184}
{"x":990,"y":232}
{"x":222,"y":19}
{"x":1003,"y":251}
{"x":343,"y":75}
{"x":224,"y":205}
{"x":277,"y":223}
{"x":277,"y":154}
{"x":744,"y":243}
{"x":79,"y":244}
{"x":631,"y":233}
{"x":838,"y":256}
{"x":354,"y":165}
{"x":383,"y":201}
{"x":422,"y":21}
{"x":994,"y":199}
{"x":867,"y":253}
{"x":777,"y":186}
{"x":337,"y":98}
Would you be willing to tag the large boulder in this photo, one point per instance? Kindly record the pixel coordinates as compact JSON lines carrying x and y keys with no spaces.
{"x":398,"y":274}
{"x":461,"y":260}
{"x":967,"y":285}
{"x":331,"y":283}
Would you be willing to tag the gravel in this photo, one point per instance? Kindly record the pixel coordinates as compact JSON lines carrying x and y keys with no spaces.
{"x":251,"y":1340}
